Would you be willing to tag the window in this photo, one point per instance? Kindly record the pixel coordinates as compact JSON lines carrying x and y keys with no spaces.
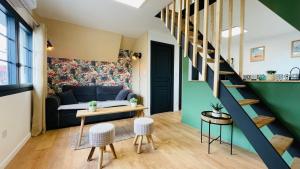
{"x":7,"y":46}
{"x":15,"y":52}
{"x":25,"y":42}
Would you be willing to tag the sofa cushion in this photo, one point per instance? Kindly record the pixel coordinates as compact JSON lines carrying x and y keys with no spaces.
{"x":108,"y":92}
{"x":100,"y":104}
{"x":67,"y":98}
{"x":112,"y":103}
{"x":79,"y":106}
{"x":122,"y":95}
{"x":85,"y":93}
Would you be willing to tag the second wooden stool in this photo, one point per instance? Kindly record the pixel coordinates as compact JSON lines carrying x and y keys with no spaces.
{"x":143,"y":127}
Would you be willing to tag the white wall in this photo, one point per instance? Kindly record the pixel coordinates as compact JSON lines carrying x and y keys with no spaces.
{"x":140,"y":83}
{"x":15,"y":113}
{"x":166,"y":37}
{"x":265,"y":28}
{"x":277,"y":54}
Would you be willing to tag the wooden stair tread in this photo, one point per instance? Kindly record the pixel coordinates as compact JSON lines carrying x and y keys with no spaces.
{"x":211,"y":60}
{"x":226,"y":73}
{"x":191,"y":37}
{"x":261,"y":121}
{"x":235,"y":86}
{"x":296,"y":163}
{"x":281,"y":143}
{"x":248,"y":102}
{"x":200,"y":48}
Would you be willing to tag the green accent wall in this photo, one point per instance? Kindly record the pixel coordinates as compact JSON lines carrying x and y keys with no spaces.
{"x":286,"y":9}
{"x":197,"y":97}
{"x":284,"y":101}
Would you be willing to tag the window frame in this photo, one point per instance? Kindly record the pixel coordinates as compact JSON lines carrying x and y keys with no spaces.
{"x":18,"y":87}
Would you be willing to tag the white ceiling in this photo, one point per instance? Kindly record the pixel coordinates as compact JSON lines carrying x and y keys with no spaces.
{"x":116,"y":17}
{"x":104,"y":14}
{"x":260,"y":21}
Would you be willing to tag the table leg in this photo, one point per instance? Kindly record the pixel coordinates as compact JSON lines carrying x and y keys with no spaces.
{"x":142,"y":114}
{"x":220,"y":134}
{"x":231,"y":138}
{"x":209,"y":138}
{"x":80,"y":131}
{"x":139,"y":113}
{"x":201,"y":129}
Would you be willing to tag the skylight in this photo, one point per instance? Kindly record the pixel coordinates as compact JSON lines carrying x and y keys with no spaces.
{"x":132,"y":3}
{"x":235,"y":31}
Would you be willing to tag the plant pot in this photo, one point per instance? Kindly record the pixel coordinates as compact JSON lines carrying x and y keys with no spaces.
{"x":216,"y":114}
{"x":133,"y":104}
{"x":92,"y":108}
{"x":271,"y":77}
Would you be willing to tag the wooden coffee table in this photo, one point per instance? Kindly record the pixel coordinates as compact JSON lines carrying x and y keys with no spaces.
{"x":139,"y":109}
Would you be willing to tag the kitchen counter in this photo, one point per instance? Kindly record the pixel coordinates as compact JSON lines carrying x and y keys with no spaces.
{"x":273,"y":81}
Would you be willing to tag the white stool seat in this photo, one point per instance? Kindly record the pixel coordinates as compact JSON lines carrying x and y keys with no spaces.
{"x":101,"y":134}
{"x":143,"y":126}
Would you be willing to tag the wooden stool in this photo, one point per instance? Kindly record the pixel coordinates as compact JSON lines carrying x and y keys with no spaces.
{"x":143,"y":127}
{"x":100,"y":136}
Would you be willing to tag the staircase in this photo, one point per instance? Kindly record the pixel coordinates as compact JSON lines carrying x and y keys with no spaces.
{"x":222,"y":78}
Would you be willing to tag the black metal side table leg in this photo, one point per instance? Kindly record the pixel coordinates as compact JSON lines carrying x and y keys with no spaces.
{"x":209,"y":138}
{"x":220,"y":134}
{"x":201,"y":129}
{"x":231,"y":138}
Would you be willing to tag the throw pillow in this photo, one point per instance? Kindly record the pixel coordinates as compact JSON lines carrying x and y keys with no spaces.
{"x":122,"y":95}
{"x":67,"y":98}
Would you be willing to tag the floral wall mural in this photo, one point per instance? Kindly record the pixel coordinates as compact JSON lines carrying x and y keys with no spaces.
{"x":76,"y":72}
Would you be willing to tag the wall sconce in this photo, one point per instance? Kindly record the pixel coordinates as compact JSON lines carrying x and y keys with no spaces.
{"x":136,"y":56}
{"x":49,"y":45}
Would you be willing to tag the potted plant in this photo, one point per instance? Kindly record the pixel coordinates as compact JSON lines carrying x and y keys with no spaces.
{"x":92,"y":106}
{"x":271,"y":75}
{"x":217,"y":110}
{"x":133,"y":102}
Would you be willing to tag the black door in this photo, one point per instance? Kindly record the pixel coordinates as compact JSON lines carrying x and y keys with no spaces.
{"x":162,"y":72}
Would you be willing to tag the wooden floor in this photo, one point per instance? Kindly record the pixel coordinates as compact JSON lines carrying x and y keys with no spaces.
{"x":178,"y":146}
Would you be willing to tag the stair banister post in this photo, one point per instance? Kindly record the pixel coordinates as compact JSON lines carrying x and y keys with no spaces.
{"x":219,"y":7}
{"x":162,"y":15}
{"x":205,"y":40}
{"x":167,"y":15}
{"x":230,"y":18}
{"x":173,"y":17}
{"x":212,"y":23}
{"x":187,"y":27}
{"x":179,"y":22}
{"x":242,"y":26}
{"x":195,"y":35}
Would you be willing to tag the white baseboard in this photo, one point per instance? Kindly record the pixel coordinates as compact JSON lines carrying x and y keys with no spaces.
{"x":12,"y":154}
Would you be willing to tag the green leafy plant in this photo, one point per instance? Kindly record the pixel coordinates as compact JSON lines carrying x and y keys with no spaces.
{"x":133,"y":100}
{"x":217,"y":107}
{"x":271,"y":72}
{"x":92,"y":103}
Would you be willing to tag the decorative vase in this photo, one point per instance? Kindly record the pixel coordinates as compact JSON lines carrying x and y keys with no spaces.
{"x":271,"y":77}
{"x":92,"y":108}
{"x":133,"y":104}
{"x":216,"y":114}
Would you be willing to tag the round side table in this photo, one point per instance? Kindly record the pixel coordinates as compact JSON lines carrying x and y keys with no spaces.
{"x":225,"y":119}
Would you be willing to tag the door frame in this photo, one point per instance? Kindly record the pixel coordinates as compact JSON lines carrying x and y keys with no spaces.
{"x":172,"y":77}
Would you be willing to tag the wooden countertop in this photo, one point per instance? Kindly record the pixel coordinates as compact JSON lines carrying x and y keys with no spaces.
{"x":272,"y":81}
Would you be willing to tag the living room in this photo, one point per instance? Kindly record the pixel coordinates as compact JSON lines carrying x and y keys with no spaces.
{"x":117,"y":84}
